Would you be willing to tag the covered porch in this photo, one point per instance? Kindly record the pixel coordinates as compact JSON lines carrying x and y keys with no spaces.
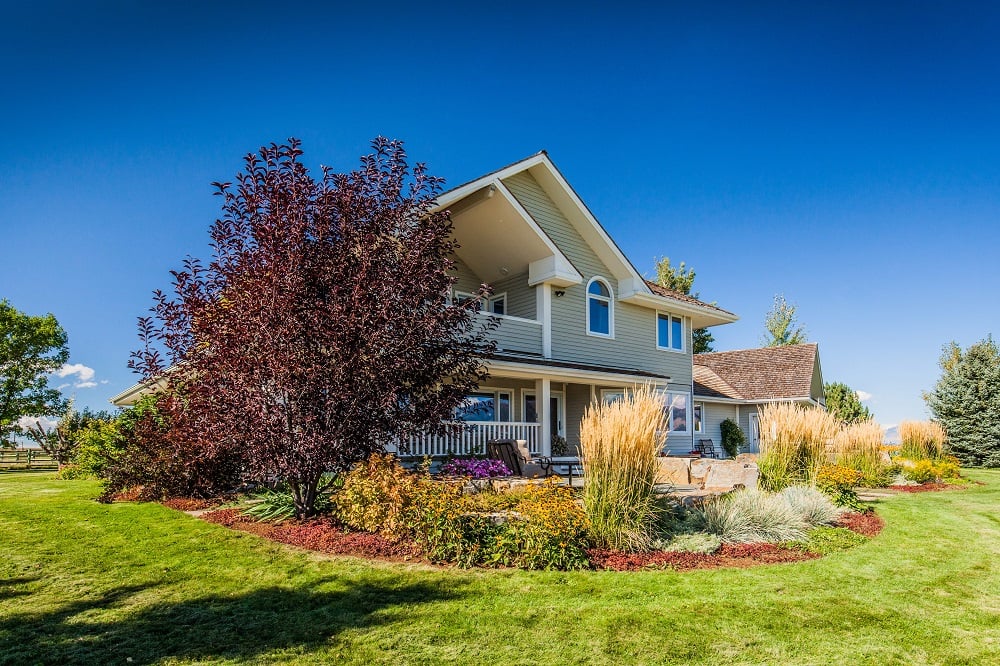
{"x":540,"y":401}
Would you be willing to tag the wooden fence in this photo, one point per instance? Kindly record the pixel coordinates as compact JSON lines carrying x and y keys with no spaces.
{"x":26,"y":459}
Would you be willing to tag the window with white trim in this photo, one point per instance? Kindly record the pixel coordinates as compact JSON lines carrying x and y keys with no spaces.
{"x":699,"y":414}
{"x":488,"y":405}
{"x":609,"y":396}
{"x":600,"y":309}
{"x":496,"y":304}
{"x":669,"y":332}
{"x":677,"y":404}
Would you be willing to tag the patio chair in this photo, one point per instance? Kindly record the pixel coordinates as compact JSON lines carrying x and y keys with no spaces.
{"x":515,"y":455}
{"x":706,"y":447}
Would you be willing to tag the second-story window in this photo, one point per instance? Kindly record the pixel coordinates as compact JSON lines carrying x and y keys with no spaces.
{"x":600,"y":309}
{"x":669,"y":332}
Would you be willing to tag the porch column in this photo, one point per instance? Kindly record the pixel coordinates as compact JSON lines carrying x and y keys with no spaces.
{"x":543,"y":310}
{"x":543,"y":389}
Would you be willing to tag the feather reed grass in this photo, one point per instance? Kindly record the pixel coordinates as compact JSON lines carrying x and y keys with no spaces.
{"x":620,"y":443}
{"x":793,"y":442}
{"x":921,"y":440}
{"x":859,"y":447}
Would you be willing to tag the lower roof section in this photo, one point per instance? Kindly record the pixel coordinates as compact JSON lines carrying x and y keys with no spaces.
{"x":536,"y":367}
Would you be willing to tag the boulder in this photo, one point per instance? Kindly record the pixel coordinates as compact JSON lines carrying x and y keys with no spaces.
{"x":747,"y":458}
{"x":699,"y":470}
{"x":725,"y":475}
{"x":673,"y":471}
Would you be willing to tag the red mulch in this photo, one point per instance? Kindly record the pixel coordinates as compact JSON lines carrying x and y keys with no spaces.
{"x":190,"y":503}
{"x":926,"y":488}
{"x":867,"y":524}
{"x":738,"y":555}
{"x":318,"y":534}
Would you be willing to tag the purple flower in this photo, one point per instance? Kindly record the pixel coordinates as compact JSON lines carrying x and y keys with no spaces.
{"x":475,"y":468}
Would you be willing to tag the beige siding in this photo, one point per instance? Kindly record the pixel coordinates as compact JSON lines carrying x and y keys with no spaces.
{"x":467,"y":280}
{"x":518,"y":335}
{"x":521,"y":299}
{"x":713,"y":414}
{"x":634,"y":342}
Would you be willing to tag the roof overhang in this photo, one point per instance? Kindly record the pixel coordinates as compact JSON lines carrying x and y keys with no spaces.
{"x":701,"y":317}
{"x":527,"y":370}
{"x":744,"y":401}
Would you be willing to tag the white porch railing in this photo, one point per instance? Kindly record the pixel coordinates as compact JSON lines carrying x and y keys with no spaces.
{"x":472,"y":439}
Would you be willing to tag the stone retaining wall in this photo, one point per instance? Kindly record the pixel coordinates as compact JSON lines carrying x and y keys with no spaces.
{"x":709,"y":473}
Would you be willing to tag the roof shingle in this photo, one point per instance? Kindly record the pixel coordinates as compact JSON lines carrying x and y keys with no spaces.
{"x":769,"y":373}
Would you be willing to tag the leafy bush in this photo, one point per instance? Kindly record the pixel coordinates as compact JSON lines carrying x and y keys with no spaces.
{"x":540,"y":527}
{"x":929,"y":471}
{"x":793,"y":443}
{"x":859,"y":446}
{"x":813,"y":506}
{"x":838,"y":483}
{"x":99,"y":443}
{"x":826,"y":540}
{"x":476,"y":468}
{"x":620,"y":444}
{"x":733,"y":438}
{"x":921,"y":440}
{"x":751,"y":516}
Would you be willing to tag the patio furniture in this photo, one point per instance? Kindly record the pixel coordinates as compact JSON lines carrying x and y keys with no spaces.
{"x":706,"y":448}
{"x":515,"y":455}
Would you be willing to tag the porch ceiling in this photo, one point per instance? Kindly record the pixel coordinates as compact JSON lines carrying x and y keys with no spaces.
{"x":495,"y":239}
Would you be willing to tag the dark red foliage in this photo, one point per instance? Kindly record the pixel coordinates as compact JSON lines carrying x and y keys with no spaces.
{"x":322,"y":328}
{"x":867,"y":524}
{"x":926,"y":487}
{"x":739,"y":556}
{"x":190,"y":503}
{"x":318,"y":534}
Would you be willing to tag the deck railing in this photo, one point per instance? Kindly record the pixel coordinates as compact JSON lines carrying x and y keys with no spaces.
{"x":471,"y":439}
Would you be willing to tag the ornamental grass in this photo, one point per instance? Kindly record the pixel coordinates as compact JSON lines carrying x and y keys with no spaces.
{"x":793,"y":443}
{"x":921,"y":440}
{"x":859,"y":446}
{"x":620,"y":444}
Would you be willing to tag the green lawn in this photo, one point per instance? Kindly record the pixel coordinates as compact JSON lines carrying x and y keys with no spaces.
{"x":82,"y":582}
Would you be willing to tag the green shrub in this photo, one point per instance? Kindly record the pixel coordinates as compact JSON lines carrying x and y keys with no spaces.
{"x":929,"y":471}
{"x":733,"y":438}
{"x":375,"y":496}
{"x":752,"y":516}
{"x":620,"y":443}
{"x":838,"y":483}
{"x":812,"y":505}
{"x":278,"y":505}
{"x":826,"y":540}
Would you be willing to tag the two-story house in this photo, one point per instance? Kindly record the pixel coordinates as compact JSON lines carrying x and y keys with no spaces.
{"x":578,"y":322}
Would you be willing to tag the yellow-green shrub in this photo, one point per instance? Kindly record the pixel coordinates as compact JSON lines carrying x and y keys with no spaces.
{"x":838,"y":483}
{"x":793,"y":443}
{"x":929,"y":471}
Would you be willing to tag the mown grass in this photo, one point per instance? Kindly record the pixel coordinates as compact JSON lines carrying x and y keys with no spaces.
{"x":82,"y":582}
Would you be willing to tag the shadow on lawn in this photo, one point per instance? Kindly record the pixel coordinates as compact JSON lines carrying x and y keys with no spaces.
{"x":240,"y":627}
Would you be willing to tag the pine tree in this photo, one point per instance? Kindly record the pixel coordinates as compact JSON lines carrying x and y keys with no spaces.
{"x":966,"y":401}
{"x":842,"y":401}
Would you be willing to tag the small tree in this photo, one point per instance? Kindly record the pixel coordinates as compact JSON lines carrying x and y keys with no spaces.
{"x":681,"y":278}
{"x":966,"y":401}
{"x":63,"y":440}
{"x":733,"y":438}
{"x":30,"y":349}
{"x":782,"y":327}
{"x":842,"y":401}
{"x":322,"y":330}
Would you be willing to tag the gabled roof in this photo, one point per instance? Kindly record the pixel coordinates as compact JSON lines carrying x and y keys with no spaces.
{"x":769,"y":373}
{"x":631,"y":287}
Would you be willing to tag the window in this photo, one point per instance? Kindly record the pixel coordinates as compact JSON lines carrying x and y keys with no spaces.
{"x":675,"y":403}
{"x":496,"y":304}
{"x":609,"y":396}
{"x":485,"y":406}
{"x":699,"y":411}
{"x":669,"y":332}
{"x":600,"y":311}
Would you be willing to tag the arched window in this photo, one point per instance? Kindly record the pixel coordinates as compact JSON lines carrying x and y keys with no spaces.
{"x":600,"y":309}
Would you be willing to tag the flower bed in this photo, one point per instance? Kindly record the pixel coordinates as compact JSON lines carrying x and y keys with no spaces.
{"x":190,"y":503}
{"x":867,"y":524}
{"x":931,"y":486}
{"x":739,"y":556}
{"x":475,"y":468}
{"x":319,"y":534}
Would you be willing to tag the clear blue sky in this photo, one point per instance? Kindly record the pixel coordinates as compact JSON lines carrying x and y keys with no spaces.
{"x":844,"y":154}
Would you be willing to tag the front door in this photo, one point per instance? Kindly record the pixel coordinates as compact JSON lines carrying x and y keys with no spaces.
{"x":753,"y":442}
{"x":557,"y":410}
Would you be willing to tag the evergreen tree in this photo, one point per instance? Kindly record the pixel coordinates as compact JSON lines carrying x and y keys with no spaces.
{"x":681,"y":278}
{"x":782,"y":327}
{"x":966,"y":401}
{"x":842,"y":401}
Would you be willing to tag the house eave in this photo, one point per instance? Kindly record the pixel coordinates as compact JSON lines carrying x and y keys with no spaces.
{"x":701,"y":317}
